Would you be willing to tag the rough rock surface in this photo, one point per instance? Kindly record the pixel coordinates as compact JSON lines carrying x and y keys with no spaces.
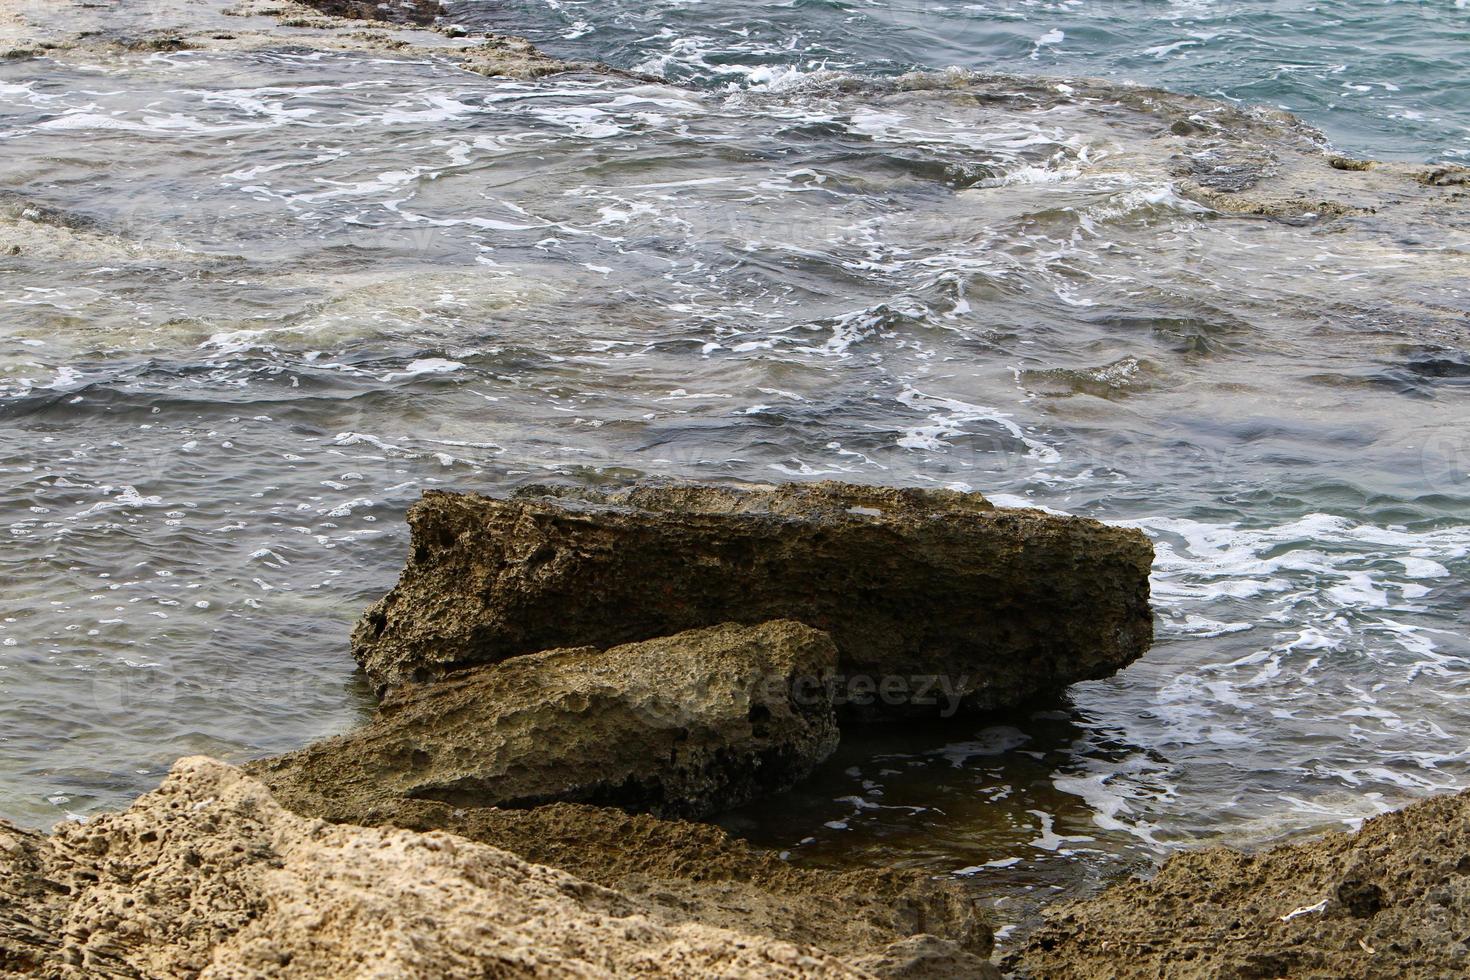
{"x":209,"y":877}
{"x":680,"y":726}
{"x":419,"y":12}
{"x":927,"y":958}
{"x":1390,"y":901}
{"x":934,"y":593}
{"x":81,"y":28}
{"x":693,"y":872}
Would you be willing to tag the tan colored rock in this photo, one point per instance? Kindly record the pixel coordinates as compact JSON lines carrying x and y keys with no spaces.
{"x":209,"y":877}
{"x":691,"y":872}
{"x":934,"y":597}
{"x":927,"y":957}
{"x":1387,"y":902}
{"x":31,"y":905}
{"x":683,"y":725}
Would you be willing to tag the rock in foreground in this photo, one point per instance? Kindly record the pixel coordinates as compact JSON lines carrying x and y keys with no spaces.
{"x":692,"y":872}
{"x":209,"y":877}
{"x":1390,"y":901}
{"x":678,"y":726}
{"x":935,"y":598}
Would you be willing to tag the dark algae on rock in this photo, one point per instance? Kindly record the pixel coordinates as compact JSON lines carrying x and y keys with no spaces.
{"x":933,"y":597}
{"x":418,"y":12}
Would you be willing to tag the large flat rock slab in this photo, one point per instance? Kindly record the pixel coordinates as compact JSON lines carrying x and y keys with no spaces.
{"x":936,"y":599}
{"x":678,"y":726}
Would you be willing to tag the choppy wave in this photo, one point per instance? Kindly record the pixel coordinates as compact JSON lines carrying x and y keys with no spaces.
{"x":1382,"y":79}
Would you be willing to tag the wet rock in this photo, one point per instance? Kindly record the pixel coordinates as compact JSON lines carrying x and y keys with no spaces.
{"x":1392,"y":900}
{"x":681,"y":871}
{"x":1225,"y":169}
{"x":1338,"y":162}
{"x":682,"y":725}
{"x":210,"y":877}
{"x":927,"y":958}
{"x":506,"y":56}
{"x":80,"y":29}
{"x":935,"y":598}
{"x":418,"y":12}
{"x":1446,"y":176}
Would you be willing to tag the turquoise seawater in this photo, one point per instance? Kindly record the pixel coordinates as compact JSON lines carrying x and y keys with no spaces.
{"x":1382,"y":79}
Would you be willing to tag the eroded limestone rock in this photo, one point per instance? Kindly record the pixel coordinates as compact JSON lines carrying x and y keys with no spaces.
{"x":680,"y":726}
{"x":210,"y":877}
{"x":934,"y":597}
{"x":927,"y":957}
{"x":680,"y":871}
{"x":1390,"y":901}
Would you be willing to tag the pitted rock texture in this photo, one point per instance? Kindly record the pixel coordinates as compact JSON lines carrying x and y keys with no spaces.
{"x":1389,"y":901}
{"x":209,"y":877}
{"x":682,"y":871}
{"x":679,"y":726}
{"x":927,"y":958}
{"x":914,"y":585}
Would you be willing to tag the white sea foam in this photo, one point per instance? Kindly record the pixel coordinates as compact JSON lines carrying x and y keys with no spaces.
{"x":1049,"y":840}
{"x":119,"y":498}
{"x":975,"y":869}
{"x":951,"y":418}
{"x":1051,"y":38}
{"x":425,"y":365}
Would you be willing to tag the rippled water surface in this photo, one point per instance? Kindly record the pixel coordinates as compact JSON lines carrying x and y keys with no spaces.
{"x":1384,"y":78}
{"x":262,"y":300}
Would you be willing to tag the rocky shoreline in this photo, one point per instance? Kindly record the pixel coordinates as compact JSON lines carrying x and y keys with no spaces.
{"x":566,"y":756}
{"x":208,"y":876}
{"x":532,"y":813}
{"x":591,"y":759}
{"x":570,"y":680}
